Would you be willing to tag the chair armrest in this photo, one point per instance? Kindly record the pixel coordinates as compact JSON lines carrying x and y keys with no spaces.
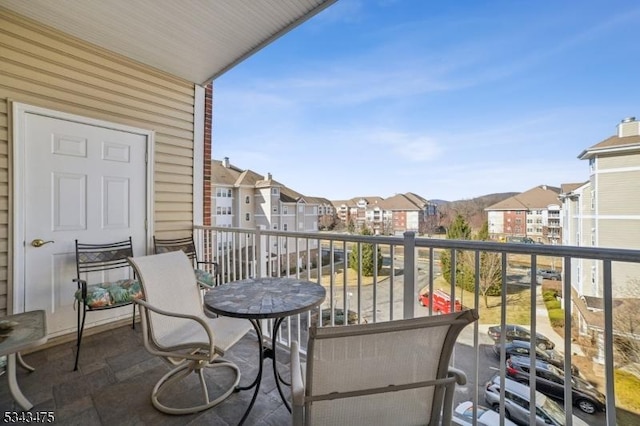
{"x":297,"y":381}
{"x":197,"y":319}
{"x":215,"y":273}
{"x":461,"y":377}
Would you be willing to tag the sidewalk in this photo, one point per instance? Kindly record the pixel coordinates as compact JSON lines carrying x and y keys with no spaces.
{"x":543,"y":326}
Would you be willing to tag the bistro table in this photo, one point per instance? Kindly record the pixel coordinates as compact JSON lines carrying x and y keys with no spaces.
{"x":256,"y":299}
{"x":30,"y":330}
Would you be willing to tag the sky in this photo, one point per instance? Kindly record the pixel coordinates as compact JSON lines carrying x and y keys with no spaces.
{"x":448,"y":100}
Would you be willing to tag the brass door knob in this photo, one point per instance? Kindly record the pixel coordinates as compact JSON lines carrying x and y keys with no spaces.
{"x":39,"y":243}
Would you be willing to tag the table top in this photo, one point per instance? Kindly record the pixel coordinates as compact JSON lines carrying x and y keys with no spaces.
{"x":261,"y":298}
{"x":30,"y":331}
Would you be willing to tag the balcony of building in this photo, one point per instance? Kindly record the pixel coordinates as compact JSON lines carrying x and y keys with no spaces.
{"x":116,"y":374}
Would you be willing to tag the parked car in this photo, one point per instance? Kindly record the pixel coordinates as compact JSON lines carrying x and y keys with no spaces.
{"x":523,"y":348}
{"x":518,"y":332}
{"x":516,"y":404}
{"x":441,"y":302}
{"x":463,"y":415}
{"x":548,"y":274}
{"x":551,"y":381}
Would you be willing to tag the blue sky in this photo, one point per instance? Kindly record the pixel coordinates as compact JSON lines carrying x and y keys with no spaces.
{"x":449,"y":100}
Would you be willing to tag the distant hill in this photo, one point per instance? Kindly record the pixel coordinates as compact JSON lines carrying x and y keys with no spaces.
{"x":471,"y":209}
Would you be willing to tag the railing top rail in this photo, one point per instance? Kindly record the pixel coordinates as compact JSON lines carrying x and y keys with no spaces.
{"x":599,"y":253}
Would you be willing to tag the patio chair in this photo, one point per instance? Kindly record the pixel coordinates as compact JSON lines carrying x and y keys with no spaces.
{"x":206,"y":279}
{"x":175,"y":328}
{"x":394,"y":372}
{"x":105,"y":281}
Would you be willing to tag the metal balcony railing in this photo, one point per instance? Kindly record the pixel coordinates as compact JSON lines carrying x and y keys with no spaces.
{"x":407,"y":265}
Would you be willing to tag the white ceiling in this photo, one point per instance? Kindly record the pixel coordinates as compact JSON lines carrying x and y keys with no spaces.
{"x":197,"y":40}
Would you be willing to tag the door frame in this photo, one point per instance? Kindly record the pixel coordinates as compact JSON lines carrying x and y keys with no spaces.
{"x":17,"y":240}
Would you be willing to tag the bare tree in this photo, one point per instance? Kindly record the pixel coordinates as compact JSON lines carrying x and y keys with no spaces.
{"x":626,"y":326}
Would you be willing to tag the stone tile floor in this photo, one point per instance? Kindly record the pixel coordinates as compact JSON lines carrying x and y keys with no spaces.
{"x":116,"y":375}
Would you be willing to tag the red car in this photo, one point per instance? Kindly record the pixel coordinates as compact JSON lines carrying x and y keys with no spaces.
{"x":441,"y":302}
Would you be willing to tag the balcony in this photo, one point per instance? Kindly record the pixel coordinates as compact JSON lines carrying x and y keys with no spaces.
{"x":116,"y":373}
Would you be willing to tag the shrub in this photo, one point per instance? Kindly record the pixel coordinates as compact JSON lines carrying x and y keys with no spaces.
{"x":549,"y":295}
{"x":556,"y":317}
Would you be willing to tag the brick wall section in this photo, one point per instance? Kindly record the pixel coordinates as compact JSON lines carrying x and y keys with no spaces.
{"x":206,"y":181}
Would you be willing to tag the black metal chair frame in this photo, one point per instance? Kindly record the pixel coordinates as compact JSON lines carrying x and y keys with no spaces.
{"x":96,"y":258}
{"x":188,"y":246}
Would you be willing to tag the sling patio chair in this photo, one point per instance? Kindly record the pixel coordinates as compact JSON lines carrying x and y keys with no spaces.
{"x":388,"y":373}
{"x":206,"y":272}
{"x":176,"y":328}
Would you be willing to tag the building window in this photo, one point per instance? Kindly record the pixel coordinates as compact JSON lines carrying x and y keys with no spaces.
{"x":275,"y":191}
{"x":218,"y":211}
{"x":247,"y":200}
{"x":285,"y":227}
{"x":592,"y":164}
{"x":285,"y":210}
{"x":301,"y":225}
{"x":247,"y":217}
{"x":229,"y":192}
{"x":300,"y":208}
{"x":593,"y":199}
{"x":275,"y":226}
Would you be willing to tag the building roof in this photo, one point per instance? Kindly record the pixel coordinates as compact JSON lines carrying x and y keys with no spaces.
{"x":196,"y":40}
{"x":234,"y":176}
{"x":612,"y":144}
{"x":566,"y":188}
{"x":408,"y":201}
{"x":537,"y":198}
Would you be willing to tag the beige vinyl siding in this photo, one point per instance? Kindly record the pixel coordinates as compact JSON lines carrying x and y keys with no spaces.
{"x":619,"y":233}
{"x":46,"y":68}
{"x":619,"y":161}
{"x":618,"y":193}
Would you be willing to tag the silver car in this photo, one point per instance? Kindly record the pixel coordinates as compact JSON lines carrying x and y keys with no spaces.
{"x":516,"y":404}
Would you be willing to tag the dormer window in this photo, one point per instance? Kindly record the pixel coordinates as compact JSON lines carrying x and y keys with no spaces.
{"x":275,"y":191}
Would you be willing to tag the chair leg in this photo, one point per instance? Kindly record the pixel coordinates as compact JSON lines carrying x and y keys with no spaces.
{"x":133,"y":321}
{"x":80,"y":330}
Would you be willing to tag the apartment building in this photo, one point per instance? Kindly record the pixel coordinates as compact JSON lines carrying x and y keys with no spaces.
{"x":245,"y":199}
{"x":604,"y":211}
{"x":533,"y":214}
{"x":387,"y":216}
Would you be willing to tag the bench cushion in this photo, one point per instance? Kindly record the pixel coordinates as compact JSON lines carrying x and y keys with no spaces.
{"x":121,"y":292}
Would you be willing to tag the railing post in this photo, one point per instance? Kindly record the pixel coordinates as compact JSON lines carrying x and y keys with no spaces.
{"x":408,"y":297}
{"x":261,"y":253}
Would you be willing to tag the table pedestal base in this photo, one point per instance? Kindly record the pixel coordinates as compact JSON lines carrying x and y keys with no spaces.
{"x":265,"y":352}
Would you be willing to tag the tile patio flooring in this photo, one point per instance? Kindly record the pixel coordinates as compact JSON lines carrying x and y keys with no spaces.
{"x":116,"y":375}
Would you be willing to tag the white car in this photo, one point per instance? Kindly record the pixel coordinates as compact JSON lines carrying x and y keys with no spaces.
{"x":463,"y":415}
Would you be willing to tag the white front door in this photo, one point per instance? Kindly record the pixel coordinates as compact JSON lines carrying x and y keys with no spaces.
{"x":79,"y":180}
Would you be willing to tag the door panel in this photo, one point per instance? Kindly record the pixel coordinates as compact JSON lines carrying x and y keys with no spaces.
{"x":82,"y":182}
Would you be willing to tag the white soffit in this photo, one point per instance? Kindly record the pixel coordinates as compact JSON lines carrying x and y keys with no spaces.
{"x":197,"y":40}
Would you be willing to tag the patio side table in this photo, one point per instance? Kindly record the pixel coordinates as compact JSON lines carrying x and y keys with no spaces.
{"x":29,"y":332}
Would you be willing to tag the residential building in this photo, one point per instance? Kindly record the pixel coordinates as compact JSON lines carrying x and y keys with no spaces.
{"x":533,"y":214}
{"x":605,"y":212}
{"x":245,"y":199}
{"x":386,"y":216}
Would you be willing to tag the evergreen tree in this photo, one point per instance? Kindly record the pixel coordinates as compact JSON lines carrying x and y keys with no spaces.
{"x":459,"y":230}
{"x":368,"y":264}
